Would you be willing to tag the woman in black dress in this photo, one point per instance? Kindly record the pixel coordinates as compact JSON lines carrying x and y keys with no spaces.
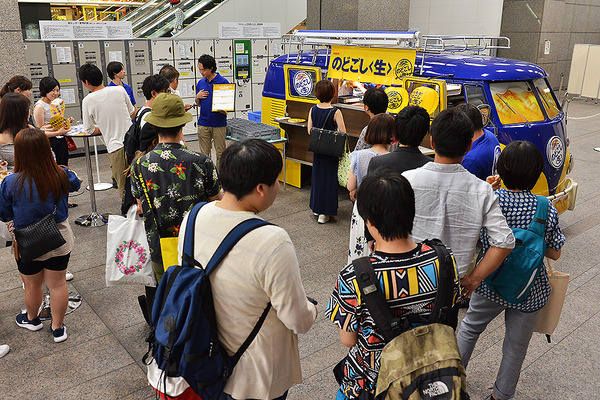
{"x":323,"y":191}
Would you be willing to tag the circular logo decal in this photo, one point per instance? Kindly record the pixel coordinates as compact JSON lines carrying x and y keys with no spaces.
{"x":394,"y":99}
{"x":555,"y":152}
{"x":303,"y":83}
{"x":397,"y":98}
{"x":404,"y":67}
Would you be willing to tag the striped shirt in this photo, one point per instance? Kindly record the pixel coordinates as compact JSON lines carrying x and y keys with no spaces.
{"x":409,"y":282}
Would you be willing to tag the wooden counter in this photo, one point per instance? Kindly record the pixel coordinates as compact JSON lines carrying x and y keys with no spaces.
{"x":355,"y":120}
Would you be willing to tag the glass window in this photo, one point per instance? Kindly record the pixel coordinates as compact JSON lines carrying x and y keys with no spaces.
{"x":475,"y":95}
{"x":516,"y":102}
{"x":455,"y":94}
{"x":548,"y":101}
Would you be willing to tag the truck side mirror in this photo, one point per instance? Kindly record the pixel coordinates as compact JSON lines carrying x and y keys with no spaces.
{"x":486,"y":112}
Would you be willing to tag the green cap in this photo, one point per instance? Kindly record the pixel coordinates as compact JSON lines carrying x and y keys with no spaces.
{"x":168,"y":111}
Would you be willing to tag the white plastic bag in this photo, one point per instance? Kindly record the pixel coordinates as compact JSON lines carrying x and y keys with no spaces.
{"x":6,"y":237}
{"x":127,"y":251}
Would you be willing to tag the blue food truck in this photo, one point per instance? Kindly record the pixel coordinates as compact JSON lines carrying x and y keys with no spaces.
{"x":435,"y":72}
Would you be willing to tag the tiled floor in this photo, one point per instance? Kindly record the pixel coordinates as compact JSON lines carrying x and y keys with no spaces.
{"x":102,"y":357}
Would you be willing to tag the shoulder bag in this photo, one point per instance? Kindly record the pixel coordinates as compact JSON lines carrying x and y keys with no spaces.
{"x":38,"y":238}
{"x":327,"y":142}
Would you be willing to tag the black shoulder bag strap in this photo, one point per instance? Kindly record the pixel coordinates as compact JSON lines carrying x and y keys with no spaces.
{"x":333,"y":110}
{"x":443,"y":310}
{"x":232,"y":238}
{"x":391,"y":326}
{"x":373,"y":297}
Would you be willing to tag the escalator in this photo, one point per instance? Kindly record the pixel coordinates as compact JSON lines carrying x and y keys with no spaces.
{"x":158,"y":19}
{"x":150,"y":10}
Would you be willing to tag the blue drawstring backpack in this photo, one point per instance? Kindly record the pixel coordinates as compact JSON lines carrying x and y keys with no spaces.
{"x":513,"y":279}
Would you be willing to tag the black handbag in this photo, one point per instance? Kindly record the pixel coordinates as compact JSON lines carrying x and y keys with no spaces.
{"x":38,"y":238}
{"x":327,"y":142}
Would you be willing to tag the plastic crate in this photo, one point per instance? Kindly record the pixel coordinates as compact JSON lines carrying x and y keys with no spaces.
{"x":254,"y":116}
{"x":240,"y":129}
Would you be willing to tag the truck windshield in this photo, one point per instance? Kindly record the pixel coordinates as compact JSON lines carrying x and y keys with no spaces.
{"x":516,"y":102}
{"x":548,"y":101}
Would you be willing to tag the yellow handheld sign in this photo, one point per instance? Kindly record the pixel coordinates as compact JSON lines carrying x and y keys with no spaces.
{"x":57,"y":107}
{"x":397,"y":99}
{"x":58,"y":121}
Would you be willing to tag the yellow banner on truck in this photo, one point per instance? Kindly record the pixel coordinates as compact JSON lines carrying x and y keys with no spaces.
{"x":373,"y":65}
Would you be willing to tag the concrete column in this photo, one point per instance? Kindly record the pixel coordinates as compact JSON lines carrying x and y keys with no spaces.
{"x":12,"y":52}
{"x":533,"y":26}
{"x":363,"y":15}
{"x":383,"y":15}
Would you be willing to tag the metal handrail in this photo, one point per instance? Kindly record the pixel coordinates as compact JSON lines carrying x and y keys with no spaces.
{"x":169,"y":15}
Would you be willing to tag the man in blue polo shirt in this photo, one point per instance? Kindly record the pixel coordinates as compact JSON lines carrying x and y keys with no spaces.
{"x":485,"y":148}
{"x":116,"y":73}
{"x":212,"y":125}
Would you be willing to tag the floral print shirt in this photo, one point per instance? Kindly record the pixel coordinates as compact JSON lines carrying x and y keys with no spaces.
{"x":176,"y":178}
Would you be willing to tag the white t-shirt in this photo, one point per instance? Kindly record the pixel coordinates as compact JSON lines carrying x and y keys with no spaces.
{"x":110,"y":109}
{"x":261,"y":267}
{"x":143,"y":121}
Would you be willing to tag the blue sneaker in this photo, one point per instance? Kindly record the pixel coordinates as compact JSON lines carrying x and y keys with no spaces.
{"x":60,"y":334}
{"x":33,"y":325}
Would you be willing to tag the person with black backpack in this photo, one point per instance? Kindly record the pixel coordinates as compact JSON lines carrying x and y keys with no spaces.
{"x":519,"y":166}
{"x":407,"y":273}
{"x":141,"y":137}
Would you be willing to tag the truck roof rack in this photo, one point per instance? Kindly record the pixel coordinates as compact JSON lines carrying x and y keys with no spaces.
{"x":457,"y":44}
{"x":353,"y":38}
{"x":406,"y":40}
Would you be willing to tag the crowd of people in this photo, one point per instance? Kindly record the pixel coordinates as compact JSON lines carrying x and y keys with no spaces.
{"x":402,"y":198}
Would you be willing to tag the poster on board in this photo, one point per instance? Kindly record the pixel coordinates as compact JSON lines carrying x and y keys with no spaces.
{"x":249,"y":30}
{"x":85,"y":30}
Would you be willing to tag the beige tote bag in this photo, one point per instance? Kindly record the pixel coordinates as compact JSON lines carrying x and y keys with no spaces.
{"x":550,"y":314}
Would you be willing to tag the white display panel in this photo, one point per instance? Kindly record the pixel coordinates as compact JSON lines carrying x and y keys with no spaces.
{"x":578,"y":63}
{"x":591,"y":80}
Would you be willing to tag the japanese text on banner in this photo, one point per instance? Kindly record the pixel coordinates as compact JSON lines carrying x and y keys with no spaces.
{"x":364,"y":64}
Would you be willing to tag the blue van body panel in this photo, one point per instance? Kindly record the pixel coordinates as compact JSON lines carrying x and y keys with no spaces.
{"x":456,"y":68}
{"x":540,"y":134}
{"x":468,"y":67}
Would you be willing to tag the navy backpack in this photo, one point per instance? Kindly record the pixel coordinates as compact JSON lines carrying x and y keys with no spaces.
{"x":513,"y":279}
{"x":184,"y":339}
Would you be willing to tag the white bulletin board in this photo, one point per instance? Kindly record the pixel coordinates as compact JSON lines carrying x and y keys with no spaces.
{"x":584,"y":78}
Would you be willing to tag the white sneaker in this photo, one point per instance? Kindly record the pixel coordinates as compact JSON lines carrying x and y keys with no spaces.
{"x":60,"y":334}
{"x":323,"y":218}
{"x":4,"y":349}
{"x":69,"y":276}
